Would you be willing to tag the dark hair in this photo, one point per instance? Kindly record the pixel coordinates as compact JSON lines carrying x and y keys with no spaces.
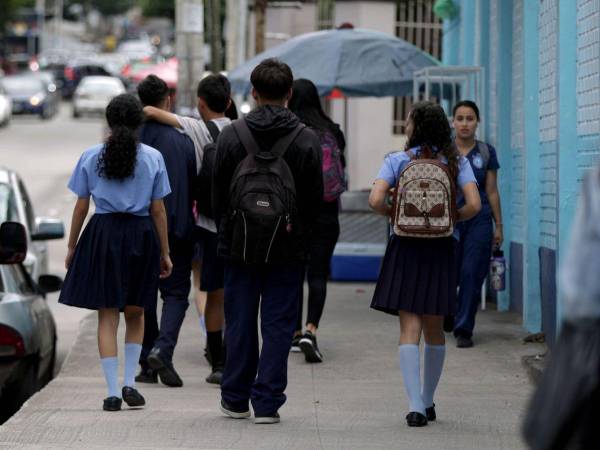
{"x":466,"y":104}
{"x":232,"y":112}
{"x":215,"y":90}
{"x":152,"y":91}
{"x":124,"y":116}
{"x":272,"y":79}
{"x":431,"y":129}
{"x":306,"y":104}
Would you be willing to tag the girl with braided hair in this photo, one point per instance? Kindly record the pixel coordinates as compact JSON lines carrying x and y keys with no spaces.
{"x":116,"y":263}
{"x":418,"y":275}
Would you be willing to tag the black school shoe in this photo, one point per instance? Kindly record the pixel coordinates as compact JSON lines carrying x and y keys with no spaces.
{"x":215,"y":376}
{"x":132,"y":397}
{"x":464,"y":342}
{"x":430,"y":413}
{"x":112,"y":404}
{"x":308,"y":345}
{"x":166,"y":371}
{"x":416,"y":419}
{"x":147,"y":376}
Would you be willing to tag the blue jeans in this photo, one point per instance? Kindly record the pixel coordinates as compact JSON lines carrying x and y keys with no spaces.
{"x":249,"y":375}
{"x":474,"y":251}
{"x":174,"y":291}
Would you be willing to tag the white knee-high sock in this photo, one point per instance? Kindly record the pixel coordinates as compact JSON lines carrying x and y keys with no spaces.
{"x":110,"y":366}
{"x":132,"y":357}
{"x":434,"y":363}
{"x":410,"y":365}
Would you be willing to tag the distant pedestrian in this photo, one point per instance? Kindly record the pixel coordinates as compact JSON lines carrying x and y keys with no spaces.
{"x":116,"y":263}
{"x":306,"y":104}
{"x":214,"y":100}
{"x":418,"y":274}
{"x":477,"y":235}
{"x":267,"y":182}
{"x":178,"y":153}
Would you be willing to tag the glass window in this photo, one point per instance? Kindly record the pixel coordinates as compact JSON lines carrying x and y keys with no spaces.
{"x":14,"y":280}
{"x":8,"y":206}
{"x":28,"y":206}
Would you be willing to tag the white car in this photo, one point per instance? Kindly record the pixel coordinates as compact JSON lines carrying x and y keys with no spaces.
{"x":5,"y":107}
{"x":94,"y":93}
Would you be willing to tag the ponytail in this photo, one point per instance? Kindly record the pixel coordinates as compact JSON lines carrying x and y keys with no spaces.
{"x":124,"y":116}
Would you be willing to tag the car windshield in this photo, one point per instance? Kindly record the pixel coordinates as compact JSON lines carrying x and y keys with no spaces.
{"x":22,"y":85}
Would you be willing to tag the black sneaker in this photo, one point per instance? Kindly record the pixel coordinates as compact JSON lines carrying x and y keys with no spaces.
{"x":215,"y":376}
{"x":308,"y":345}
{"x":147,"y":376}
{"x":132,"y":397}
{"x":234,"y":413}
{"x":296,"y":344}
{"x":165,"y":369}
{"x":464,"y":342}
{"x":264,"y":420}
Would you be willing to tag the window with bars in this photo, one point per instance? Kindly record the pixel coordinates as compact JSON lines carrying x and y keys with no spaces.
{"x":416,"y":23}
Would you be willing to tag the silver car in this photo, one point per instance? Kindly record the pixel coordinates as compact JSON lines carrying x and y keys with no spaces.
{"x":16,"y":205}
{"x":27,"y":328}
{"x":94,"y":93}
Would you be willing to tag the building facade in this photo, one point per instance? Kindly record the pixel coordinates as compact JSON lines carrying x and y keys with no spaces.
{"x":542,"y":71}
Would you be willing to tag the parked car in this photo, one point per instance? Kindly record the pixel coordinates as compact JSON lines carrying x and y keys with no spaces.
{"x":94,"y":93}
{"x":77,"y":71}
{"x":27,"y":327}
{"x":5,"y":107}
{"x":16,"y":205}
{"x":29,"y":95}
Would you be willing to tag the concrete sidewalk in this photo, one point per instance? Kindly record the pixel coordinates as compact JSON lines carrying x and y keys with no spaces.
{"x":354,"y":400}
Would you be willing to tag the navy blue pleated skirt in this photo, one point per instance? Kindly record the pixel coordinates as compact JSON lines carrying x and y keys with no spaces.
{"x":417,"y":275}
{"x":116,"y":264}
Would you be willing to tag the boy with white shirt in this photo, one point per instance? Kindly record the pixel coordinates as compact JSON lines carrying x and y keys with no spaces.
{"x":214,"y":98}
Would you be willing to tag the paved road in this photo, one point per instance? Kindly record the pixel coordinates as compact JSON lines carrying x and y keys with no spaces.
{"x":44,"y":154}
{"x":354,"y":400}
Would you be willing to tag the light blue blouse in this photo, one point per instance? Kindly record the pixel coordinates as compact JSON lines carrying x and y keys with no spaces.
{"x":132,"y":195}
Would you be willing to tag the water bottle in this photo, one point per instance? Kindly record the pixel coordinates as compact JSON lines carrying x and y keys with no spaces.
{"x":498,"y":271}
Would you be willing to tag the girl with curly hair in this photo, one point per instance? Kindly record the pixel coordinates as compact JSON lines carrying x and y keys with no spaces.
{"x":418,"y":276}
{"x":116,"y":263}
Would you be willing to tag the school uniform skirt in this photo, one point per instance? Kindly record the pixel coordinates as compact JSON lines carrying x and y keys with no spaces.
{"x":116,"y":264}
{"x":417,"y":276}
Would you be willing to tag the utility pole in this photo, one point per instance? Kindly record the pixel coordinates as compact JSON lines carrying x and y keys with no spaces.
{"x":260,"y":13}
{"x":58,"y":22}
{"x":236,"y":21}
{"x":40,"y":12}
{"x":216,"y":36}
{"x":189,"y":18}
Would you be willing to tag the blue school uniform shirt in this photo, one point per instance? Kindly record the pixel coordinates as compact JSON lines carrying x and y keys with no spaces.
{"x":132,"y":195}
{"x":480,"y":169}
{"x":394,"y":164}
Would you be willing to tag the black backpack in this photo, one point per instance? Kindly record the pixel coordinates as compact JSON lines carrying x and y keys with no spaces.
{"x":262,"y":200}
{"x":203,"y":186}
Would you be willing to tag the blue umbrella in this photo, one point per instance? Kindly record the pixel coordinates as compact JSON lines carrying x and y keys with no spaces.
{"x":358,"y":62}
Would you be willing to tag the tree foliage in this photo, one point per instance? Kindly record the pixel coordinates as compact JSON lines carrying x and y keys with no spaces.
{"x":158,"y":8}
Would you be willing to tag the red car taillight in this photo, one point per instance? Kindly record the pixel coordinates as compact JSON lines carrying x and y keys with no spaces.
{"x":69,"y":73}
{"x":11,"y":342}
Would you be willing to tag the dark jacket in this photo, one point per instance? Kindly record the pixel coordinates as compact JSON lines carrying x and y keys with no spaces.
{"x":268,"y":124}
{"x":180,"y":160}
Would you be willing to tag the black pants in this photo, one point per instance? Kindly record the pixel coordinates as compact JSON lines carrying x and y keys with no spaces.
{"x":324,"y":237}
{"x":174,"y":291}
{"x":270,"y":292}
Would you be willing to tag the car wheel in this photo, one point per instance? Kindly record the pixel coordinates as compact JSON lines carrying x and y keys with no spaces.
{"x":18,"y":393}
{"x":76,"y":114}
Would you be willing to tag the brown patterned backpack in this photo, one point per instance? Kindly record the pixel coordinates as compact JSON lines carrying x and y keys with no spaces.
{"x":425,"y":199}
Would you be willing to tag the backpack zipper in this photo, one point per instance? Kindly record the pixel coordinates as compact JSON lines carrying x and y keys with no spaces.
{"x":273,"y":239}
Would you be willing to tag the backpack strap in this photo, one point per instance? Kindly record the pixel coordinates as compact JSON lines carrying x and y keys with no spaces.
{"x":281,"y":146}
{"x":484,"y":149}
{"x":213,"y":129}
{"x":241,"y":128}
